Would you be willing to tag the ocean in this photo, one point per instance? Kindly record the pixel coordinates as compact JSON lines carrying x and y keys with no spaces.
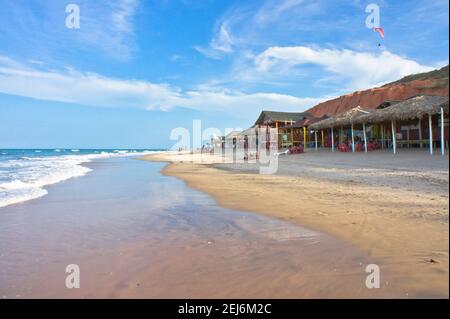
{"x":24,"y":173}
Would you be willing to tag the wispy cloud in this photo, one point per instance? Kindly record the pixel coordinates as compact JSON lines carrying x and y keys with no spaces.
{"x":271,"y":11}
{"x":261,"y":23}
{"x":256,"y":25}
{"x":358,"y":70}
{"x":331,"y":71}
{"x":71,"y":86}
{"x":220,"y":44}
{"x":122,"y":14}
{"x":107,"y":27}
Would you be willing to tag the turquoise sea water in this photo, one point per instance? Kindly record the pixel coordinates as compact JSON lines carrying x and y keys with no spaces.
{"x":24,"y":173}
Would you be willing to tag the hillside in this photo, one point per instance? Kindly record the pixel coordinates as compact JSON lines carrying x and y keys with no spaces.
{"x":433,"y":83}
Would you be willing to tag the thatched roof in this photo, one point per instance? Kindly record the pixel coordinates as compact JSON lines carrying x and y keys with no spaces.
{"x":310,"y":121}
{"x":412,"y":108}
{"x":388,"y":103}
{"x":343,"y":119}
{"x":233,"y":134}
{"x":306,"y":122}
{"x":249,"y":132}
{"x":269,"y":117}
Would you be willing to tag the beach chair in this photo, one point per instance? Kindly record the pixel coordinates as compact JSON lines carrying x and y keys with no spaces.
{"x":372,"y":147}
{"x":296,"y":149}
{"x":343,"y":148}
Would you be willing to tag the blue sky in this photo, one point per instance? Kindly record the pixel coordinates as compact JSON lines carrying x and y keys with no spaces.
{"x":135,"y":70}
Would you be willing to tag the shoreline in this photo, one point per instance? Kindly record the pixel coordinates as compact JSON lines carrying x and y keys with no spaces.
{"x":406,"y":229}
{"x":131,"y":240}
{"x":50,"y":167}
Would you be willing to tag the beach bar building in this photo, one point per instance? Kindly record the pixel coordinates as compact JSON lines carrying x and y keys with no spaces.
{"x":302,"y":135}
{"x":341,"y":128}
{"x":233,"y":139}
{"x":421,"y":121}
{"x":241,"y":144}
{"x":282,"y":123}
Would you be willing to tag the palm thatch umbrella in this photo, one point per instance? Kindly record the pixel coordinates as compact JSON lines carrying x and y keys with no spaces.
{"x":413,"y":108}
{"x":344,"y":119}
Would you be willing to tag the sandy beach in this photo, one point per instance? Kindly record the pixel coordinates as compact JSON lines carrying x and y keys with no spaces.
{"x":307,"y":232}
{"x":395,"y":209}
{"x":135,"y":233}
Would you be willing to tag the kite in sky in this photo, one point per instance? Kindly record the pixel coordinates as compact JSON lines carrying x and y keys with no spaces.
{"x":380,"y":31}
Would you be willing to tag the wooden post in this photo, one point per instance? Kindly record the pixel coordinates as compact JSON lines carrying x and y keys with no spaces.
{"x":407,"y":136}
{"x":292,"y":134}
{"x":442,"y":132}
{"x":257,"y":139}
{"x":430,"y":127}
{"x":394,"y":143}
{"x":323,"y":139}
{"x":420,"y":133}
{"x":332,"y":139}
{"x":382,"y":135}
{"x":315,"y":137}
{"x":276,"y":135}
{"x":304,"y":137}
{"x":353,"y":140}
{"x":365,"y":137}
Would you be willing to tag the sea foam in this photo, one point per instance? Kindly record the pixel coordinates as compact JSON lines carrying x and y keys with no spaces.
{"x":24,"y":178}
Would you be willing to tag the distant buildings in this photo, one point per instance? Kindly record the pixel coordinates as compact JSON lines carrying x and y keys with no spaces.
{"x":421,"y":121}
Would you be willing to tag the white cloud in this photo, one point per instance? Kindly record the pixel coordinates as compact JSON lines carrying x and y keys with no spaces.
{"x":71,"y":86}
{"x":223,"y":40}
{"x":241,"y":103}
{"x":37,"y":62}
{"x":262,"y":23}
{"x":122,"y":14}
{"x":108,"y":26}
{"x":356,"y":70}
{"x":220,"y":44}
{"x":271,"y":11}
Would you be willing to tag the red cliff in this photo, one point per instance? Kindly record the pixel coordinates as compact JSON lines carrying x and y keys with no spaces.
{"x":432,"y":83}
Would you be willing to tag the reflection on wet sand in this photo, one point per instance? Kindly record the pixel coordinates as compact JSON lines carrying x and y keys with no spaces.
{"x":135,"y":233}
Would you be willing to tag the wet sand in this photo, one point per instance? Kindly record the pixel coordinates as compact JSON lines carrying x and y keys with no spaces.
{"x":138,"y":234}
{"x":395,"y":209}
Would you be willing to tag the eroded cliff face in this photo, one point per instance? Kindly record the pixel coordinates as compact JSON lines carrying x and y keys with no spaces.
{"x":371,"y":98}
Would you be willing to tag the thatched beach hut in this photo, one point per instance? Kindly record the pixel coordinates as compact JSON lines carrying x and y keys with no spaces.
{"x":409,"y":114}
{"x":231,"y":139}
{"x":346,"y":119}
{"x":405,"y":121}
{"x":279,"y":121}
{"x":242,"y":139}
{"x":413,"y":108}
{"x":249,"y":138}
{"x":343,"y":119}
{"x":300,"y":132}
